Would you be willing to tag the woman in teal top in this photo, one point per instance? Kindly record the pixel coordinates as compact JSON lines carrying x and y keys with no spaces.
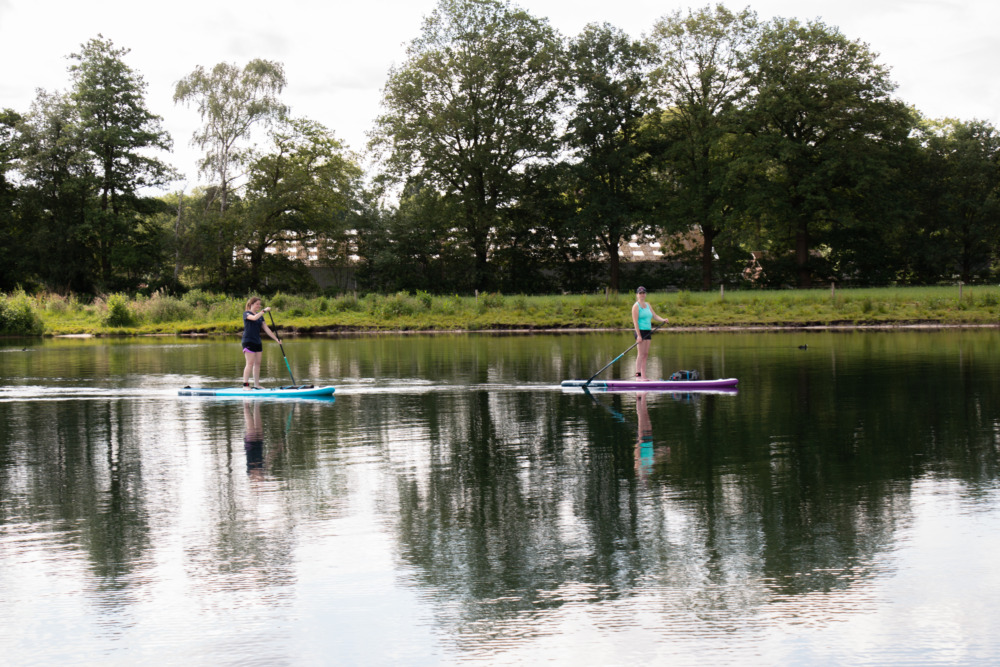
{"x":642,"y":319}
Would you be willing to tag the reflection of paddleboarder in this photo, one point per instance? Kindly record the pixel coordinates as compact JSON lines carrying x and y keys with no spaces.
{"x":253,"y":437}
{"x":644,"y":443}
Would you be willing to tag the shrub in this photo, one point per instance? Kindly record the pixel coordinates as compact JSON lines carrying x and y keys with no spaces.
{"x":163,"y":308}
{"x":347,"y":302}
{"x":490,"y":300}
{"x":199,"y":298}
{"x":119,"y":314}
{"x":18,"y":316}
{"x":397,"y":305}
{"x":56,"y":304}
{"x":226,"y":310}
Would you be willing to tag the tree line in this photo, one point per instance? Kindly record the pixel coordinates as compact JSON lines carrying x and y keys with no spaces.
{"x":508,"y":157}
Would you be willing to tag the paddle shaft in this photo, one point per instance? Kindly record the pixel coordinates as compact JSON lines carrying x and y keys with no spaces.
{"x":631,"y":347}
{"x":287,"y":365}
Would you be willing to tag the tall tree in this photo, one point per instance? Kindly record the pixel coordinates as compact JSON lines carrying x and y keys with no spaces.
{"x":962,"y":217}
{"x":57,"y":194}
{"x":232,"y":102}
{"x":300,"y":191}
{"x":473,"y":104}
{"x":611,"y":166}
{"x":119,"y":133}
{"x":822,"y":119}
{"x":413,"y":246}
{"x":700,"y":79}
{"x":13,"y":239}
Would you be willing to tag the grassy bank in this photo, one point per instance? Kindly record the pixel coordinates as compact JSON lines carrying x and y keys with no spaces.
{"x":204,"y":313}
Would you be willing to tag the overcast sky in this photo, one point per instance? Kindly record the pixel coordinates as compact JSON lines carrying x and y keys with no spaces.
{"x":942,"y":53}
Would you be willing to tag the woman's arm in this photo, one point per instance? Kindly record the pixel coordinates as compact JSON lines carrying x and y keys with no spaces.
{"x":635,"y":319}
{"x":269,"y":332}
{"x":657,"y":317}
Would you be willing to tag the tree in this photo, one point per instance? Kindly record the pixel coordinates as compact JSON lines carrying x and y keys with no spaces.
{"x":700,"y":79}
{"x":13,"y":236}
{"x":474,"y":104}
{"x":232,"y":103}
{"x":118,"y":132}
{"x":611,"y":165}
{"x":822,"y":122}
{"x":56,"y":194}
{"x":301,"y":191}
{"x":961,"y":218}
{"x":414,"y":246}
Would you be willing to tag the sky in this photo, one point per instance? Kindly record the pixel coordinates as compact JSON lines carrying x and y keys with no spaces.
{"x":943,"y":54}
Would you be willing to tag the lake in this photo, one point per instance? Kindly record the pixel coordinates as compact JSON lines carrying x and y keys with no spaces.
{"x":453,"y":504}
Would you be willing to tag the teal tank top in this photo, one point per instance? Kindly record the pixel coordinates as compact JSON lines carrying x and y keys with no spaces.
{"x":645,"y":317}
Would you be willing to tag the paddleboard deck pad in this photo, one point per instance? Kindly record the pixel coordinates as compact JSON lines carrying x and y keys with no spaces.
{"x":298,"y":391}
{"x":653,"y":385}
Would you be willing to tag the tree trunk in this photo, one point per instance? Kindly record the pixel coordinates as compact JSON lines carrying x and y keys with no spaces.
{"x":802,"y":255}
{"x":707,"y":255}
{"x":614,"y":267}
{"x":177,"y":241}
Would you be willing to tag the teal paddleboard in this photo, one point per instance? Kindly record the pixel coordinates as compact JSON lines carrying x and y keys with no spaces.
{"x":299,"y":391}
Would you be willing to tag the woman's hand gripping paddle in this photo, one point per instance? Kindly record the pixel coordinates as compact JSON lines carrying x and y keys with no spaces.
{"x":287,"y":365}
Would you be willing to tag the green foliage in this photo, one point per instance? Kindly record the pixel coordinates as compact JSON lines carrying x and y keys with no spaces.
{"x":824,"y":128}
{"x":18,"y":316}
{"x":399,"y":304}
{"x":612,"y":178}
{"x":402,"y":310}
{"x":161,"y":308}
{"x":781,"y":137}
{"x":425,"y":299}
{"x":198,"y":298}
{"x":119,"y":311}
{"x":490,"y":301}
{"x":701,"y":72}
{"x":232,"y":102}
{"x":475,"y":102}
{"x":347,"y":302}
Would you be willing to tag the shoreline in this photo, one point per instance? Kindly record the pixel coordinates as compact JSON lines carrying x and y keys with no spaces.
{"x":297,"y":332}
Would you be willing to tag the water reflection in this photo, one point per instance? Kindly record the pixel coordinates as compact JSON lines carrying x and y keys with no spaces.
{"x":504,"y":513}
{"x":253,"y":439}
{"x":644,"y":440}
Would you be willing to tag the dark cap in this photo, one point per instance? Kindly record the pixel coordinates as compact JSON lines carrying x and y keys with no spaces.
{"x":641,"y":290}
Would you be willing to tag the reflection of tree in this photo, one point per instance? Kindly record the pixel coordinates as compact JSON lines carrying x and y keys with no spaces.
{"x":252,"y":542}
{"x":795,"y":487}
{"x":78,"y":464}
{"x":507,"y":502}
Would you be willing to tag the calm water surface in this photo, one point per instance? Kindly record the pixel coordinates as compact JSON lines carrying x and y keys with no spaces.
{"x":454,"y":504}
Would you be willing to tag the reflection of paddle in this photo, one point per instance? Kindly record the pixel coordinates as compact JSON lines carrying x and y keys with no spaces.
{"x":621,"y":355}
{"x":614,"y":413}
{"x":287,"y":365}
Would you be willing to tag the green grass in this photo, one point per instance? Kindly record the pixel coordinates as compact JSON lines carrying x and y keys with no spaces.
{"x":206,"y":313}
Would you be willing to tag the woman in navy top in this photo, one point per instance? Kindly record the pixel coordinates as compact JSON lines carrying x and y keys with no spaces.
{"x":253,"y":346}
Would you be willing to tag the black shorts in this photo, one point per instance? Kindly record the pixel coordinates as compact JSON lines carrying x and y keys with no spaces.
{"x":253,"y":347}
{"x":646,"y":334}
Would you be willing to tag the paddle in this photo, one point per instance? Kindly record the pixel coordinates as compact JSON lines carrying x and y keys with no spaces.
{"x":620,"y":355}
{"x":287,"y":365}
